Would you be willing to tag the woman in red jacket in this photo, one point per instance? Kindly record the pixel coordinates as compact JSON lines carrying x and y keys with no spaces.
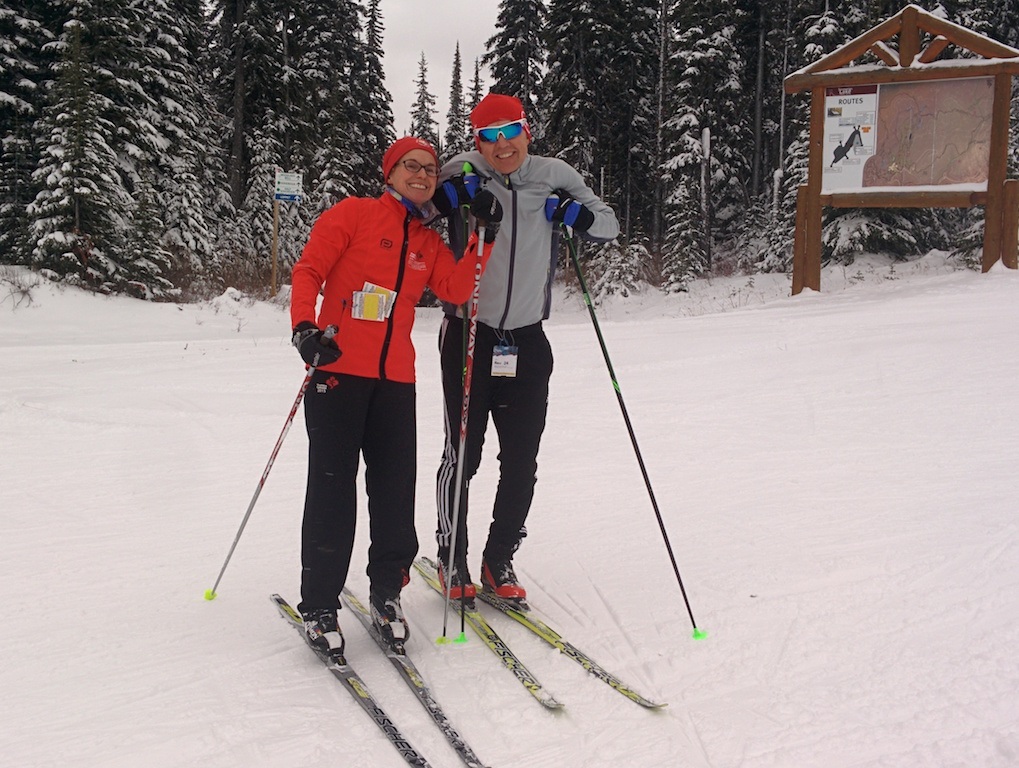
{"x":371,"y":259}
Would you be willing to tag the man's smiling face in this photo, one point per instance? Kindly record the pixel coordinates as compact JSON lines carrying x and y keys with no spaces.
{"x":505,"y":155}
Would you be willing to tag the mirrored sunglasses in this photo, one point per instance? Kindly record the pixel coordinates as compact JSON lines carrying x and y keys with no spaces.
{"x":413,"y":166}
{"x":508,"y":131}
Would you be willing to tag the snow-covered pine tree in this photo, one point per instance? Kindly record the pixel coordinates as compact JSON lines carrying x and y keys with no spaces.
{"x":628,"y":105}
{"x":477,"y":90}
{"x":576,"y":66}
{"x":326,"y":137}
{"x":616,"y":269}
{"x":515,"y":54}
{"x":23,"y":65}
{"x":799,"y":39}
{"x":685,"y":254}
{"x":458,"y":130}
{"x":179,"y":162}
{"x":422,"y":114}
{"x":143,"y":248}
{"x":705,"y":111}
{"x":246,"y":62}
{"x":375,"y":110}
{"x":81,"y":213}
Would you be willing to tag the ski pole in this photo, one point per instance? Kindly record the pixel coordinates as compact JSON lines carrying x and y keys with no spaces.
{"x":210,"y":594}
{"x":697,"y":633}
{"x":472,"y":335}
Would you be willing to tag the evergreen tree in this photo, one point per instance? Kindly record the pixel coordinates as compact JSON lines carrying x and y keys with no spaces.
{"x":458,"y":137}
{"x":78,"y":219}
{"x":576,"y":64}
{"x":627,"y":101}
{"x":616,"y":269}
{"x":706,"y":133}
{"x":804,"y":39}
{"x":516,"y":52}
{"x":685,"y":257}
{"x":422,"y":116}
{"x":22,"y":67}
{"x":143,"y":249}
{"x":477,"y":92}
{"x":183,"y":123}
{"x":241,"y":41}
{"x":375,"y":113}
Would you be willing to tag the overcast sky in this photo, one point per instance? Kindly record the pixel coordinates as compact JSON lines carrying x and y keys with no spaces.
{"x":433,"y":27}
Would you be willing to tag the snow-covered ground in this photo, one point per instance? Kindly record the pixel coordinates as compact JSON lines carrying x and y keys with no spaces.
{"x":837,"y":473}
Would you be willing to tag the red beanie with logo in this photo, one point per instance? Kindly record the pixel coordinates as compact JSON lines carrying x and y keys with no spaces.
{"x":401,"y":147}
{"x":498,"y":109}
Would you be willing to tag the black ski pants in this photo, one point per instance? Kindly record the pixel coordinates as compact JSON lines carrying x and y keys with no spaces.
{"x":518,"y":406}
{"x":347,"y":416}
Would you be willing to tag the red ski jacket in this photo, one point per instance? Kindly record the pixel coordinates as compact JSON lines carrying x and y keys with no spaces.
{"x":363,"y":242}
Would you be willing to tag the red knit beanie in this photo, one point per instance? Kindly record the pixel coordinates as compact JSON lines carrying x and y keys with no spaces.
{"x":401,"y":147}
{"x":496,"y":109}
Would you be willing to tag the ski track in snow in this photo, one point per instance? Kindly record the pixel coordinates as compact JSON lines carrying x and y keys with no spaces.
{"x":836,"y":473}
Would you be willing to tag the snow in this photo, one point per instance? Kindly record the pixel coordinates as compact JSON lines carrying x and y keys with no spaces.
{"x":836,"y":472}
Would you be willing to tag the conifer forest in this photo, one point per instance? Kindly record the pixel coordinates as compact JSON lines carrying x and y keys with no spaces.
{"x":140,"y":138}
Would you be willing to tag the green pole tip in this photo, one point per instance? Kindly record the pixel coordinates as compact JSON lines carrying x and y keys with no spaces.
{"x":699,"y":634}
{"x":210,"y":595}
{"x":468,"y":168}
{"x":461,"y":639}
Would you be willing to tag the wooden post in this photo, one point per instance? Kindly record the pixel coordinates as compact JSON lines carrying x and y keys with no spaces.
{"x":800,"y":239}
{"x":909,"y":36}
{"x":997,"y":163}
{"x":815,"y":171}
{"x":1010,"y":225}
{"x":275,"y":242}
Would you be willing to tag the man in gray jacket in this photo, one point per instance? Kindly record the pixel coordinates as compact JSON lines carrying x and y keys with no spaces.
{"x":512,"y":359}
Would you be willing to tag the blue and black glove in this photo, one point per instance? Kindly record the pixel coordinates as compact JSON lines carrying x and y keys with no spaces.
{"x":315,"y":345}
{"x":456,"y":192}
{"x":487,"y":212}
{"x":561,"y":208}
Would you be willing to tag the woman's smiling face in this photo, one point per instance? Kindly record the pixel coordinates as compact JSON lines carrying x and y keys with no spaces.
{"x":418,"y":185}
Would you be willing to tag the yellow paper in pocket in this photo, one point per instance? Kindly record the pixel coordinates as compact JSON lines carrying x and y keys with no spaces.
{"x":369,"y":306}
{"x":389,"y":295}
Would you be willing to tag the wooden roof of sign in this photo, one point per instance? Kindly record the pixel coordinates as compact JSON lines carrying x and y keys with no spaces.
{"x":922,"y":37}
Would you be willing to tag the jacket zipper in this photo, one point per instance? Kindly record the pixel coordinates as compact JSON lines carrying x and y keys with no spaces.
{"x":513,"y":255}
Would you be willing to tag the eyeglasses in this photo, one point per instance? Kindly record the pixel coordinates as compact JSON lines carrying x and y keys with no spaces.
{"x":508,"y":131}
{"x":413,"y":166}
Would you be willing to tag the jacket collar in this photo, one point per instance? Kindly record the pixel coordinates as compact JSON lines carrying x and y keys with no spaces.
{"x":519,"y":175}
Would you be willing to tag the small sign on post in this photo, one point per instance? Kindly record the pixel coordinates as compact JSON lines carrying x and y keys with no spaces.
{"x":289,"y":187}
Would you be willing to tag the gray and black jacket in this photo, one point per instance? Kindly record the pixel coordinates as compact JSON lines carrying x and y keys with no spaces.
{"x":516,"y":289}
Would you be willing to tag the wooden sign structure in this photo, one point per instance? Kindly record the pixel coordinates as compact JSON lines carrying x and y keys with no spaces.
{"x":877,"y":176}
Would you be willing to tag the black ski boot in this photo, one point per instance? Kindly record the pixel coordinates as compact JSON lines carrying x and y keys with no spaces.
{"x":389,"y":621}
{"x":322,"y":631}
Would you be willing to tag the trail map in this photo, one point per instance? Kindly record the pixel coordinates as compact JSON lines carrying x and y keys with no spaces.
{"x":908,"y":134}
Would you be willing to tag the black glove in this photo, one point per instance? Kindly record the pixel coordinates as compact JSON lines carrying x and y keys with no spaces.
{"x":487,"y":212}
{"x":315,"y":346}
{"x":455,"y":192}
{"x":561,"y":208}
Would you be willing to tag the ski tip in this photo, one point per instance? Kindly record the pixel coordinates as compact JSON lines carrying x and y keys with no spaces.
{"x":210,"y":595}
{"x":699,"y":634}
